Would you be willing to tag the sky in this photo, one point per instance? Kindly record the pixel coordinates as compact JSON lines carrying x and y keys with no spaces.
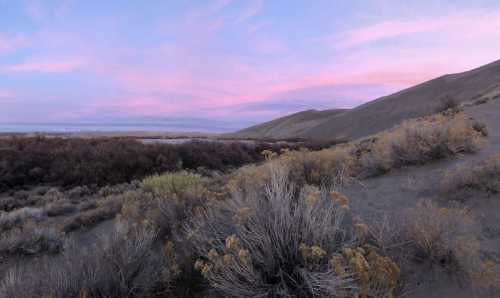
{"x":220,"y":65}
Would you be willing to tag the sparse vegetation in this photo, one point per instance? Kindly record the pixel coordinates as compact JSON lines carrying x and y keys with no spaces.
{"x":446,"y":237}
{"x":18,"y":217}
{"x":86,"y":219}
{"x":123,"y":264}
{"x":483,"y":177}
{"x":414,"y":142}
{"x":447,"y":103}
{"x":30,"y":240}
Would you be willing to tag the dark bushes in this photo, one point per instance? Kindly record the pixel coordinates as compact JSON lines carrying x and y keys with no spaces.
{"x":447,"y":103}
{"x":108,"y":161}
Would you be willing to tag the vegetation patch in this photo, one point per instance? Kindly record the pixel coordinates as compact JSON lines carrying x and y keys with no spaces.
{"x":283,"y":241}
{"x":122,"y":264}
{"x":483,"y":177}
{"x":414,"y":142}
{"x":30,"y":240}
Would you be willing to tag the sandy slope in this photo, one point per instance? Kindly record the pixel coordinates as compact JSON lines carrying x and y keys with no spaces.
{"x":402,"y":188}
{"x":288,"y":126}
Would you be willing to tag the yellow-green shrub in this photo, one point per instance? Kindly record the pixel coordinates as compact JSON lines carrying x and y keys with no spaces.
{"x":165,"y":201}
{"x":172,"y":185}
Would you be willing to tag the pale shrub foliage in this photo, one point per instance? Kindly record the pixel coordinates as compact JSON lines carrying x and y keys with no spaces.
{"x":446,"y":237}
{"x":165,"y":201}
{"x":19,"y":217}
{"x":416,"y":141}
{"x":419,"y":141}
{"x":484,"y":177}
{"x":122,"y":264}
{"x":30,"y":240}
{"x":282,"y":241}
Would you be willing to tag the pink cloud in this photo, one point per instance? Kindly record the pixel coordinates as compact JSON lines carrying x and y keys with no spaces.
{"x":46,"y":66}
{"x":471,"y":24}
{"x":386,"y":30}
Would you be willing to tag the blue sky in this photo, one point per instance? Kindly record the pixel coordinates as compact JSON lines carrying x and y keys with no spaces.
{"x":233,"y":63}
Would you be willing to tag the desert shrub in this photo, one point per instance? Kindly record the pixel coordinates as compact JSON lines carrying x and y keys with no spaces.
{"x":483,"y":177}
{"x":420,"y":141}
{"x":107,"y":209}
{"x":122,"y":264}
{"x":322,"y":168}
{"x":446,"y":238}
{"x":30,"y":240}
{"x":171,"y":184}
{"x":19,"y":217}
{"x":9,"y":203}
{"x":416,"y":141}
{"x":438,"y":232}
{"x":87,"y":205}
{"x":280,"y":241}
{"x":58,"y":209}
{"x":20,"y":199}
{"x":447,"y":103}
{"x":79,"y":192}
{"x":165,"y":201}
{"x":53,"y":195}
{"x":109,"y":190}
{"x":329,"y":169}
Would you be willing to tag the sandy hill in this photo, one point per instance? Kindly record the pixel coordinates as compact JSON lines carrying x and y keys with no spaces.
{"x":291,"y":125}
{"x":384,"y":112}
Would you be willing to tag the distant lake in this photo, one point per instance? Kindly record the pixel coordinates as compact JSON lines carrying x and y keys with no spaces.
{"x":83,"y":127}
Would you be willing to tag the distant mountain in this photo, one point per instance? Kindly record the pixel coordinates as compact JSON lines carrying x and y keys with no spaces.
{"x":385,"y":112}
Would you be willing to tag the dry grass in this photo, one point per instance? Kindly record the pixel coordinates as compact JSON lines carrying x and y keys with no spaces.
{"x":108,"y":209}
{"x":122,"y":264}
{"x":30,"y":240}
{"x":483,"y":177}
{"x":58,"y":209}
{"x":19,"y":217}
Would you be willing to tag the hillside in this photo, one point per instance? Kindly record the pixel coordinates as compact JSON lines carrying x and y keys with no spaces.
{"x":291,"y":125}
{"x":384,"y":112}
